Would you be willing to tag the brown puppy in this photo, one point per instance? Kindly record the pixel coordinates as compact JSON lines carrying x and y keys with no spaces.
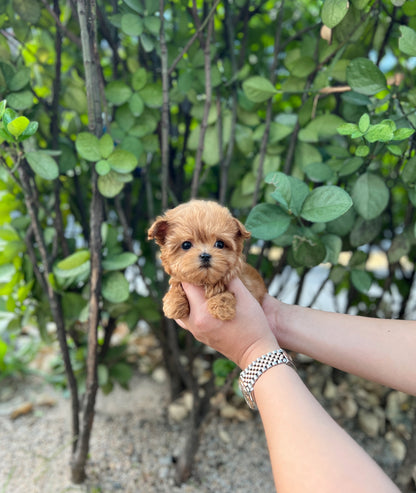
{"x":202,"y":243}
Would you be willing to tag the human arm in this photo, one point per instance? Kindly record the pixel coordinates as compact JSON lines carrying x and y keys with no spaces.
{"x":308,"y":450}
{"x":379,"y":350}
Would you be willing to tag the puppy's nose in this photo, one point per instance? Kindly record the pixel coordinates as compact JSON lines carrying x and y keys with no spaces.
{"x":205,"y":257}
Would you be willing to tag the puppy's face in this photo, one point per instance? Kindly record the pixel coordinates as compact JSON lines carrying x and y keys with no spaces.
{"x":200,"y":242}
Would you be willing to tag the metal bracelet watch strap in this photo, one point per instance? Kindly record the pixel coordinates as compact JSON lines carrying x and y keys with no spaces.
{"x":253,"y":372}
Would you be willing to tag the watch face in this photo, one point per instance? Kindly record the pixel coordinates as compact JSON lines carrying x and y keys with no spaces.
{"x":246,"y":394}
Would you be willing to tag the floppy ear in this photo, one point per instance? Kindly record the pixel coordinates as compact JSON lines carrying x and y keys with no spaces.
{"x":242,"y":232}
{"x":158,"y":231}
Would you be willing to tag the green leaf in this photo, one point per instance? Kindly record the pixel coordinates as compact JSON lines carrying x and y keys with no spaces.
{"x":136,"y":104}
{"x":267,"y":221}
{"x":347,"y":128}
{"x":403,"y":133}
{"x":139,"y":79}
{"x":147,"y":43}
{"x":308,"y":251}
{"x":122,"y":161}
{"x":43,"y":164}
{"x":110,"y":185}
{"x":319,"y":172}
{"x":135,"y":5}
{"x":106,"y":145}
{"x":370,"y":195}
{"x":361,"y":280}
{"x":122,"y":373}
{"x":131,"y":24}
{"x":365,"y":231}
{"x":381,"y":132}
{"x":333,"y":11}
{"x":365,"y":77}
{"x":222,"y":367}
{"x":408,"y":172}
{"x":325,"y":204}
{"x":362,"y":151}
{"x":152,"y":24}
{"x":2,"y":107}
{"x":30,"y":130}
{"x":400,"y":246}
{"x":102,"y":167}
{"x":407,"y":40}
{"x":350,"y":166}
{"x":321,"y":127}
{"x":333,"y":245}
{"x":29,"y":12}
{"x":88,"y":146}
{"x":117,"y":92}
{"x":20,"y":79}
{"x":258,"y":89}
{"x":17,"y":126}
{"x":6,"y":272}
{"x":120,"y":261}
{"x":20,"y":101}
{"x":115,"y":287}
{"x":3,"y":351}
{"x":283,"y":192}
{"x":103,"y":375}
{"x":152,"y":95}
{"x":74,"y":265}
{"x":364,"y":122}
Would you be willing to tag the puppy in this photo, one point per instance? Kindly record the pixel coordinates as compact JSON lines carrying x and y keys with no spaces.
{"x":202,"y":243}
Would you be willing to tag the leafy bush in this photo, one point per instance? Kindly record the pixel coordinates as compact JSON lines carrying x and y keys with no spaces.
{"x":300,"y":116}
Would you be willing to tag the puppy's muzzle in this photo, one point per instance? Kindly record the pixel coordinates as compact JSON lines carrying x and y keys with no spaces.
{"x":205,"y":259}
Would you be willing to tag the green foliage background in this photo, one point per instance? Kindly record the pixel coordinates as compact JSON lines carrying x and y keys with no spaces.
{"x":299,"y":116}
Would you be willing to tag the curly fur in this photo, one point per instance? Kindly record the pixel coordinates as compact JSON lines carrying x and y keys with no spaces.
{"x":203,"y":224}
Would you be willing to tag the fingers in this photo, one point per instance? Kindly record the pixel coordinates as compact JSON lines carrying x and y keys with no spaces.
{"x":195,"y":294}
{"x":196,"y":297}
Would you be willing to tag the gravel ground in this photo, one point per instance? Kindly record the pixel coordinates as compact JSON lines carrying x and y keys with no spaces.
{"x":137,"y":435}
{"x":132,"y":445}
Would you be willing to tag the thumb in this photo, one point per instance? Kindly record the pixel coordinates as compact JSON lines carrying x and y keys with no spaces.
{"x":195,"y":294}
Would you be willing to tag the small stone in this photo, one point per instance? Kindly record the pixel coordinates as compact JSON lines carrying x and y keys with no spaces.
{"x":177,"y":412}
{"x":188,"y":400}
{"x":369,"y":423}
{"x":224,"y":436}
{"x":227,"y":411}
{"x":349,"y":407}
{"x":46,"y":400}
{"x":159,"y":375}
{"x":331,"y":390}
{"x":244,"y":414}
{"x":394,"y":405}
{"x":398,"y":448}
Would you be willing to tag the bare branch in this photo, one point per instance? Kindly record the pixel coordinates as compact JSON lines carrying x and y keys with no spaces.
{"x":193,"y":38}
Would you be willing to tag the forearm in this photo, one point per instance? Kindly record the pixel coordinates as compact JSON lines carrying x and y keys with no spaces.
{"x":308,"y":450}
{"x":379,"y":350}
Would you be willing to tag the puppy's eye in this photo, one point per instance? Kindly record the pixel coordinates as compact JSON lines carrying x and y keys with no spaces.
{"x":219,"y":244}
{"x":186,"y":245}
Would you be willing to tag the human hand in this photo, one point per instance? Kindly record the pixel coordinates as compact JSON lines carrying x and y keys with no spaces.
{"x":279,"y":316}
{"x":242,"y":339}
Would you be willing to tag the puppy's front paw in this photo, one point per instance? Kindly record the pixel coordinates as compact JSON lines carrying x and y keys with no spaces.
{"x":175,"y":305}
{"x":222,"y":306}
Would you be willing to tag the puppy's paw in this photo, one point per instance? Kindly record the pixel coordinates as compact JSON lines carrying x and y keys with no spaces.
{"x":222,"y":306}
{"x":175,"y":305}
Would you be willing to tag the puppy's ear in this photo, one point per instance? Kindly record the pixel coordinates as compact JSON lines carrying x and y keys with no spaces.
{"x":158,"y":231}
{"x":242,"y":232}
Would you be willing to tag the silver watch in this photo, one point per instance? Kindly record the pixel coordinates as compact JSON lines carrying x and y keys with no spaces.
{"x":252,"y":373}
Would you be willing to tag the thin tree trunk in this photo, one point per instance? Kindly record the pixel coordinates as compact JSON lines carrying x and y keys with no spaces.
{"x":87,"y":21}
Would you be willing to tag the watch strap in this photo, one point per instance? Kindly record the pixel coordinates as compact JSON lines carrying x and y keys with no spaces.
{"x":253,"y":372}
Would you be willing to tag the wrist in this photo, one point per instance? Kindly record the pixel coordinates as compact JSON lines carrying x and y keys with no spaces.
{"x":256,"y":350}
